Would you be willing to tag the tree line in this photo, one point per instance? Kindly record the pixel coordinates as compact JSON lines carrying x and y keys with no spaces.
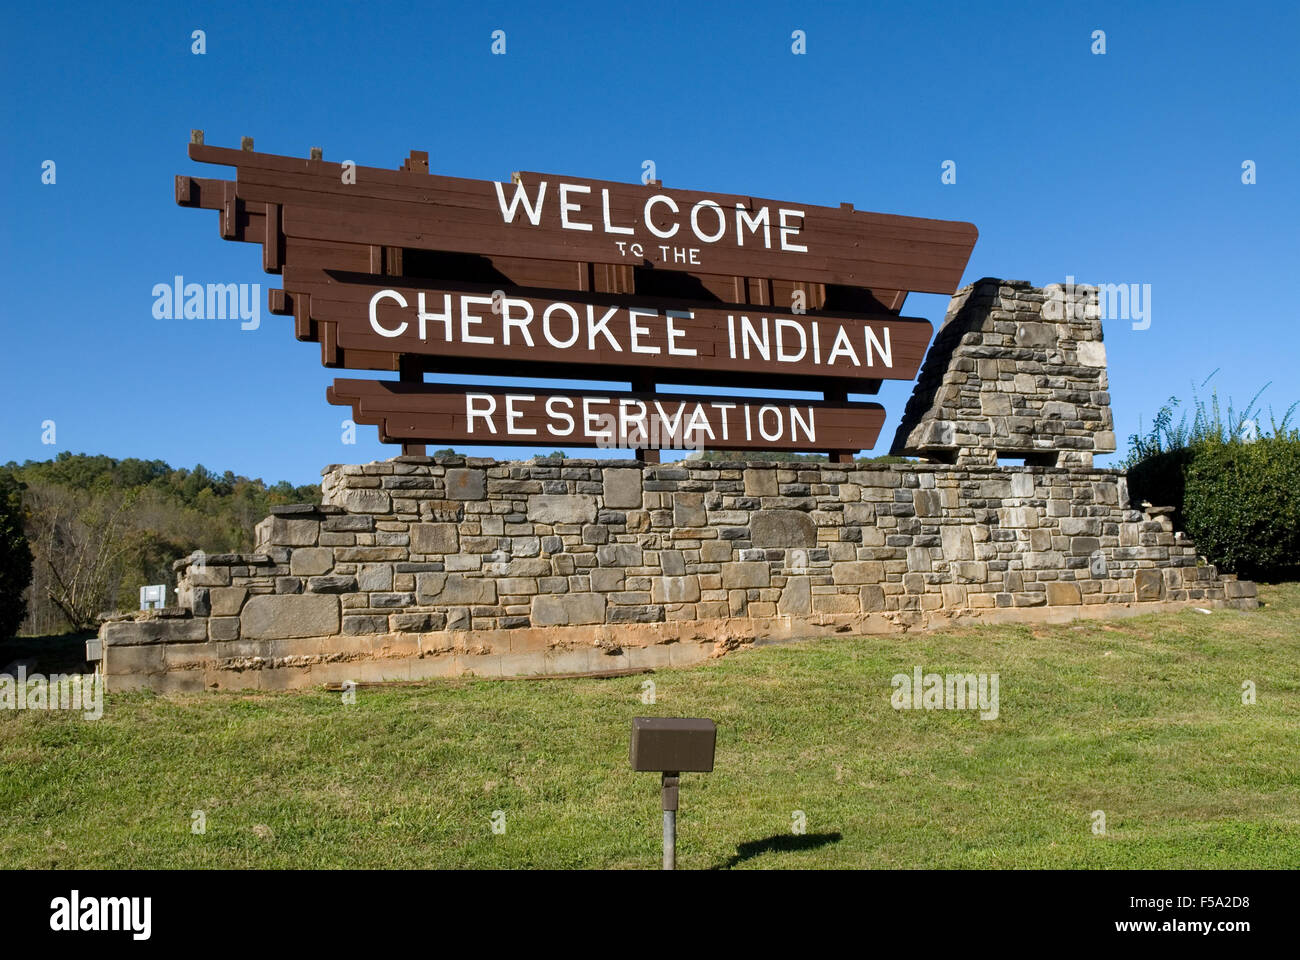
{"x":93,"y":529}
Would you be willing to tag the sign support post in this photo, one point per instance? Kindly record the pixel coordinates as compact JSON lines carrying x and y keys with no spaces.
{"x":669,"y":783}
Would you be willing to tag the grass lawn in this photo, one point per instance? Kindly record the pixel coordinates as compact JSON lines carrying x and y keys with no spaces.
{"x":1142,"y":719}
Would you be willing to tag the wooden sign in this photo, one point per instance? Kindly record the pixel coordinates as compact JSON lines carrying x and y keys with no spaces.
{"x":441,"y":413}
{"x":552,"y":217}
{"x":567,"y":277}
{"x":677,"y":338}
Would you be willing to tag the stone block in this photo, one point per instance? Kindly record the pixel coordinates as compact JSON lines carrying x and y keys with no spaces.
{"x":209,"y":576}
{"x":970,"y":572}
{"x":619,"y":555}
{"x":796,"y":597}
{"x":286,"y":532}
{"x":858,"y":571}
{"x":416,"y":622}
{"x":836,"y":603}
{"x":311,"y":561}
{"x":517,"y":586}
{"x":675,"y":590}
{"x":226,"y":601}
{"x":375,"y":576}
{"x":332,"y":584}
{"x":223,"y":629}
{"x":760,"y":483}
{"x":1092,"y":353}
{"x":604,"y":580}
{"x":1149,"y":584}
{"x":623,"y":488}
{"x":957,"y":543}
{"x":430,"y":538}
{"x":465,"y":484}
{"x":782,"y":528}
{"x":1084,"y":546}
{"x":745,"y":575}
{"x":1080,"y":526}
{"x":279,"y":617}
{"x":1035,"y":333}
{"x":361,"y":500}
{"x":641,"y":613}
{"x":995,"y":404}
{"x":1063,"y":594}
{"x":455,"y":588}
{"x":535,"y":566}
{"x":363,"y":625}
{"x":715,"y":551}
{"x":561,"y":508}
{"x":569,"y":609}
{"x":872,"y":598}
{"x":927,"y":503}
{"x":688,"y":510}
{"x":391,"y":600}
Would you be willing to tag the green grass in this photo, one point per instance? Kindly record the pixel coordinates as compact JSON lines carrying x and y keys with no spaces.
{"x":1139,"y":718}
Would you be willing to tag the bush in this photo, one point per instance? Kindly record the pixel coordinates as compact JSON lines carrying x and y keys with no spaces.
{"x":1242,"y":505}
{"x":15,"y":557}
{"x":1234,"y":489}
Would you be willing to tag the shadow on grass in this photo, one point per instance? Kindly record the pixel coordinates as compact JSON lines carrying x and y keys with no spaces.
{"x":780,"y":843}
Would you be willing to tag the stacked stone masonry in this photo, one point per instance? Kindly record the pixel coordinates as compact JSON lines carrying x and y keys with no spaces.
{"x":418,"y":567}
{"x":1014,"y":371}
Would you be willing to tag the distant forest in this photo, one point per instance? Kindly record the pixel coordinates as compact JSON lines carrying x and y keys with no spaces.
{"x":101,"y":528}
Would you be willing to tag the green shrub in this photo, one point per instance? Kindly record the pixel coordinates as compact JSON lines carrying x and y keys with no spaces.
{"x":15,"y":557}
{"x":1235,"y":489}
{"x":1242,"y":505}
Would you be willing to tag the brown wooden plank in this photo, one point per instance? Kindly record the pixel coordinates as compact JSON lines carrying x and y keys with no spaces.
{"x":451,"y":413}
{"x":396,"y":208}
{"x":607,"y":332}
{"x":272,"y":240}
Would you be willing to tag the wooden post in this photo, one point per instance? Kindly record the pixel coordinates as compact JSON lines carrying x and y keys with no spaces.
{"x":408,"y":371}
{"x":644,"y":383}
{"x":838,"y":395}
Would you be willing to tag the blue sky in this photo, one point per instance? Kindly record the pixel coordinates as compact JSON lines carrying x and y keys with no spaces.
{"x":1124,"y":167}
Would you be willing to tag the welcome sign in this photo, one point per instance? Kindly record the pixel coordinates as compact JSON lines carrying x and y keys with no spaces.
{"x":562,"y":277}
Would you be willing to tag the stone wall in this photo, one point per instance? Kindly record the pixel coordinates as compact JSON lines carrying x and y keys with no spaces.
{"x":416,"y":567}
{"x":1014,"y":371}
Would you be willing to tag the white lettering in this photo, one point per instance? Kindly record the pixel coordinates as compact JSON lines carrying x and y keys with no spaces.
{"x":546,"y":325}
{"x":668,"y":202}
{"x":513,"y":415}
{"x":786,"y":230}
{"x":521,"y":195}
{"x":566,"y":206}
{"x":374,"y":319}
{"x":471,"y":411}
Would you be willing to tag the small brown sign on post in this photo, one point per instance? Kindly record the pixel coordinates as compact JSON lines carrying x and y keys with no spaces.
{"x":567,"y":277}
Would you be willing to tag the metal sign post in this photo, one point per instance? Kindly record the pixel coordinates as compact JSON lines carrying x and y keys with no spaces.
{"x":669,"y":784}
{"x":669,"y":746}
